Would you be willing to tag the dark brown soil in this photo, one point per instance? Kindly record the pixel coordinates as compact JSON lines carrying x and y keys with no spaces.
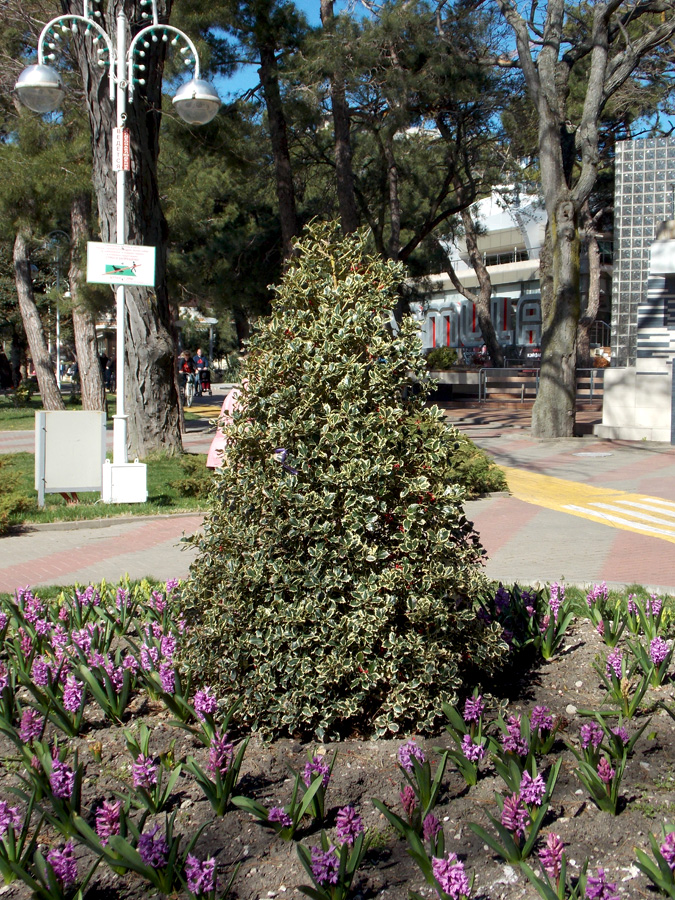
{"x":367,"y":769}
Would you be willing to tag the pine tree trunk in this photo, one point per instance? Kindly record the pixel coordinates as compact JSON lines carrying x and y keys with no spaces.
{"x":150,"y":394}
{"x":84,"y":325}
{"x":349,"y":216}
{"x":44,"y":367}
{"x":394,"y":199}
{"x":288,"y":217}
{"x":482,"y":299}
{"x":554,"y":409}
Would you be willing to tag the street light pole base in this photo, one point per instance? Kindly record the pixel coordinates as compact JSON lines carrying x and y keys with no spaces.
{"x":124,"y":482}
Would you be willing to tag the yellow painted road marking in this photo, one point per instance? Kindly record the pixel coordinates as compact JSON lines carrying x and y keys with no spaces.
{"x":607,"y":506}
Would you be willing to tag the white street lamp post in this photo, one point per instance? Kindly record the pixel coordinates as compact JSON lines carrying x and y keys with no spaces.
{"x":41,"y":89}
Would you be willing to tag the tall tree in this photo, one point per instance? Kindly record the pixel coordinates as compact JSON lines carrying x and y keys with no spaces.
{"x":608,"y":40}
{"x":32,"y":323}
{"x":84,"y":323}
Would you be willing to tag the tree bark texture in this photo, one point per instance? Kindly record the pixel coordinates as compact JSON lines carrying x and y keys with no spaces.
{"x":269,"y":78}
{"x":150,"y":393}
{"x":44,"y":366}
{"x":394,"y":199}
{"x":590,"y":313}
{"x":349,"y":215}
{"x":554,"y":409}
{"x":84,"y":325}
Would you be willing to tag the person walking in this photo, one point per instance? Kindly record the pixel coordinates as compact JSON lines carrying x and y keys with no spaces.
{"x":201,"y":364}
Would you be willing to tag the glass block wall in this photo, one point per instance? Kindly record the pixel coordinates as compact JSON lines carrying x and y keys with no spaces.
{"x":644,"y":191}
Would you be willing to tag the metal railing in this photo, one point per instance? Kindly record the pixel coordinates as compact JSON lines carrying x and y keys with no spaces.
{"x":517,"y":381}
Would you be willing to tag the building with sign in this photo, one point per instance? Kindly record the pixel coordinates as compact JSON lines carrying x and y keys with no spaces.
{"x":512,"y":234}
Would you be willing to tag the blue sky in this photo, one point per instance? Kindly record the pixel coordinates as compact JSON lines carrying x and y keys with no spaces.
{"x":247,"y":77}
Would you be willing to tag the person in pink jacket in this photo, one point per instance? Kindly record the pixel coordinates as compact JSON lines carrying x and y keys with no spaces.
{"x":214,"y":460}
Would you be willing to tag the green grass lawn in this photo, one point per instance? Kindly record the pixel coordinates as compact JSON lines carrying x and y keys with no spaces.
{"x":22,"y":418}
{"x":175,"y":484}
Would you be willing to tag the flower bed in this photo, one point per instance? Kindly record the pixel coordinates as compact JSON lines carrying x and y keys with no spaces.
{"x":121,"y":778}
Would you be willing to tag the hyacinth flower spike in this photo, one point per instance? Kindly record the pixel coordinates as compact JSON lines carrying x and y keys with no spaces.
{"x":619,"y":679}
{"x":520,"y":821}
{"x":332,"y":866}
{"x":316,"y":769}
{"x":222,"y":772}
{"x":661,"y":869}
{"x":606,"y":615}
{"x":149,"y":790}
{"x":15,"y":847}
{"x":55,"y":877}
{"x":466,"y":730}
{"x":153,"y":854}
{"x":601,"y":734}
{"x":654,"y":660}
{"x":283,"y":820}
{"x":552,"y":883}
{"x":554,"y":624}
{"x":416,"y":770}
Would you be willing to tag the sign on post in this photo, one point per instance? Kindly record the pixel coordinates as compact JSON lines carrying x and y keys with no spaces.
{"x":121,"y":150}
{"x":120,"y":264}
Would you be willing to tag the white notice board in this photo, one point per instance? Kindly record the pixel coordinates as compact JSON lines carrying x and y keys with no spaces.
{"x":69,"y":451}
{"x":120,"y":264}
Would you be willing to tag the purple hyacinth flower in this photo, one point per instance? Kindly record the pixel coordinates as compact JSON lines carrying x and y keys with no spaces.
{"x":41,"y":672}
{"x":153,"y":850}
{"x":205,"y":703}
{"x":557,"y":599}
{"x":658,"y":650}
{"x":64,"y":864}
{"x":502,"y":598}
{"x":316,"y":766}
{"x":4,"y":677}
{"x":72,"y":695}
{"x":472,"y":751}
{"x":31,"y":725}
{"x":108,"y":820}
{"x":515,"y":815}
{"x":667,"y":849}
{"x":408,"y":800}
{"x":532,"y":790}
{"x":451,"y":877}
{"x":614,"y":661}
{"x":474,"y":707}
{"x":430,"y":827}
{"x":349,"y":825}
{"x":221,"y":754}
{"x":10,"y":817}
{"x":167,"y":646}
{"x":541,"y":719}
{"x":605,"y":771}
{"x":653,"y":606}
{"x":144,"y":772}
{"x":621,"y":733}
{"x":167,"y":676}
{"x":598,"y":888}
{"x":279,"y":815}
{"x":632,"y":605}
{"x":512,"y":741}
{"x":171,"y":585}
{"x":200,"y":876}
{"x":325,"y":865}
{"x":407,"y":752}
{"x":62,"y":780}
{"x":551,"y":856}
{"x":591,"y":735}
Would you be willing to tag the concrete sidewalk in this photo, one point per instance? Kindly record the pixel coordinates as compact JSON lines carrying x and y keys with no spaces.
{"x":525,"y":541}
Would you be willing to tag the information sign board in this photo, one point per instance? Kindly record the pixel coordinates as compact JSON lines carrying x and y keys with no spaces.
{"x":120,"y":264}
